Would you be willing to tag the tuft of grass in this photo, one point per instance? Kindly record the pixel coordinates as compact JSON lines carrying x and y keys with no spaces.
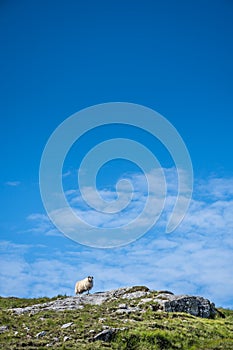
{"x":13,"y":302}
{"x":138,"y":289}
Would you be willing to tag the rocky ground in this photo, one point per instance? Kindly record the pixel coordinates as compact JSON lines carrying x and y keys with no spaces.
{"x":159,"y":300}
{"x":125,"y":318}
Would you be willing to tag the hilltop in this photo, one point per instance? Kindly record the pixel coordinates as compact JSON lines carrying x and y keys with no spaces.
{"x":125,"y":318}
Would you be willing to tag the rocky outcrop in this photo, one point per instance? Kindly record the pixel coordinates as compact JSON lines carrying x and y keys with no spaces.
{"x":78,"y":302}
{"x":141,"y":297}
{"x":193,"y":305}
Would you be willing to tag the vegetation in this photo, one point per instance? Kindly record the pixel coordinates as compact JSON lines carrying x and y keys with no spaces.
{"x":142,"y":331}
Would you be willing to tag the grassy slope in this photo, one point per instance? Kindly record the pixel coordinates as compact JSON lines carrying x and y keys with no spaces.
{"x":148,"y":330}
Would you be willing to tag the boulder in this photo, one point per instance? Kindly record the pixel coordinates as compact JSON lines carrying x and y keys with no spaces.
{"x":193,"y":305}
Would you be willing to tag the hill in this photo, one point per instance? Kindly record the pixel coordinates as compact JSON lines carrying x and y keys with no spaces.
{"x":126,"y":318}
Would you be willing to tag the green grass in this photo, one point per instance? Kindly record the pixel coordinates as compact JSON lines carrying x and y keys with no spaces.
{"x":13,"y":302}
{"x":144,"y":331}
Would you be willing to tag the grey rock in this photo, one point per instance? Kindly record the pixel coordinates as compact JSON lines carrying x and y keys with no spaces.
{"x":123,"y":311}
{"x":66,"y":338}
{"x":135,"y":295}
{"x":105,"y":327}
{"x":69,"y":303}
{"x":66,"y":325}
{"x":145,"y":300}
{"x":194,"y":305}
{"x":41,"y":334}
{"x":166,"y":301}
{"x":122,"y":306}
{"x":3,"y":329}
{"x":75,"y":303}
{"x":107,"y":334}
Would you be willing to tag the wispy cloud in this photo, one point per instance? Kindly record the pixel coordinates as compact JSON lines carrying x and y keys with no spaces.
{"x":13,"y":183}
{"x":133,"y":208}
{"x":216,"y":187}
{"x":67,"y":173}
{"x":195,"y":259}
{"x":22,"y":277}
{"x":41,"y":224}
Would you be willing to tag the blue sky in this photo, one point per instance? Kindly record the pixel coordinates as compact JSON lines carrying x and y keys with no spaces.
{"x":172,"y":56}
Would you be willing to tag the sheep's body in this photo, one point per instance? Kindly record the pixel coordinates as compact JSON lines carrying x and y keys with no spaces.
{"x":84,"y":285}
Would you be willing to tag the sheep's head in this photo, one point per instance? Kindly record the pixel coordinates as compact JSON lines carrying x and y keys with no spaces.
{"x":90,"y":278}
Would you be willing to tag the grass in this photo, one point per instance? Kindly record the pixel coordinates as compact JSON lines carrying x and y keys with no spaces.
{"x":151,"y":329}
{"x":13,"y":302}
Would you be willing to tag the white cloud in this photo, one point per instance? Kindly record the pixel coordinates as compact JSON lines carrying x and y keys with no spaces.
{"x":13,"y":183}
{"x":41,"y":224}
{"x":67,"y":173}
{"x":216,"y":187}
{"x":40,"y":277}
{"x":122,"y":208}
{"x":195,"y":259}
{"x":185,"y":265}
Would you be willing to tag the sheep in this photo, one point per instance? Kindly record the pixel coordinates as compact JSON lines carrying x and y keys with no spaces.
{"x":84,"y":285}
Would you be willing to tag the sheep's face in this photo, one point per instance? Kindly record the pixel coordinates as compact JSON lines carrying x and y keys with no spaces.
{"x":90,"y":278}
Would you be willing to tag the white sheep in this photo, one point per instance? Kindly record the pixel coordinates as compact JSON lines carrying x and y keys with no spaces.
{"x":84,"y":285}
